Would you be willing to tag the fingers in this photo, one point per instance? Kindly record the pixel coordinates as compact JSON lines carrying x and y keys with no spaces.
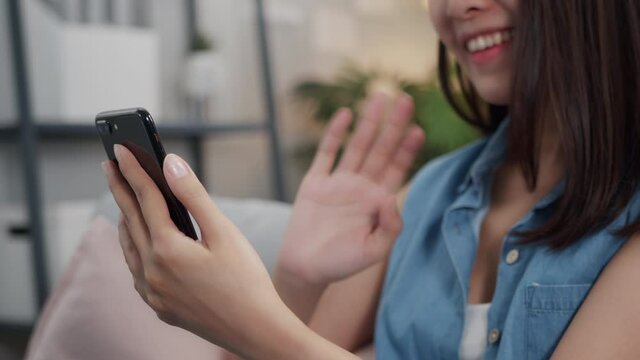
{"x":379,"y":243}
{"x":187,"y":188}
{"x":129,"y":250}
{"x":126,"y":200}
{"x":365,"y":133}
{"x":331,"y":142}
{"x":382,"y":156}
{"x":151,"y":202}
{"x":387,"y":143}
{"x":397,"y":169}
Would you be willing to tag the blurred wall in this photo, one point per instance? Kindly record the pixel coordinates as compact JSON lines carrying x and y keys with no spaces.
{"x":7,"y":98}
{"x":391,"y":35}
{"x":169,"y":19}
{"x":309,"y":39}
{"x":42,"y":33}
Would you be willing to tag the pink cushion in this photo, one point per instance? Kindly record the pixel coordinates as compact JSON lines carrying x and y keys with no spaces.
{"x":94,"y":312}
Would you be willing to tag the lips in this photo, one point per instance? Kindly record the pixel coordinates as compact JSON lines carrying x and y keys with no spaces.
{"x":487,"y":41}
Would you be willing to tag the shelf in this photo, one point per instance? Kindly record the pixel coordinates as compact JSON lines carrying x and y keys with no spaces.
{"x":9,"y":132}
{"x":168,"y":131}
{"x":15,"y":328}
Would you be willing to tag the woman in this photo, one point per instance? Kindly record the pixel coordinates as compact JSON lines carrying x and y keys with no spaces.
{"x":521,"y":245}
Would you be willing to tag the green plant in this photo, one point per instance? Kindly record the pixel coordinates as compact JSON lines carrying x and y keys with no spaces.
{"x":444,"y":129}
{"x":201,"y":42}
{"x":347,"y":90}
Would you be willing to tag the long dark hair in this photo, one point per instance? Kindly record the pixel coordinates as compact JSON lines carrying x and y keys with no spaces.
{"x":576,"y":65}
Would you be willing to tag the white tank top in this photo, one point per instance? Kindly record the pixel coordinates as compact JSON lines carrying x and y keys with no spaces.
{"x":474,"y":335}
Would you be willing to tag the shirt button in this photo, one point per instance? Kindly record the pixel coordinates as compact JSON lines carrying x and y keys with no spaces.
{"x":494,"y":336}
{"x":512,"y":257}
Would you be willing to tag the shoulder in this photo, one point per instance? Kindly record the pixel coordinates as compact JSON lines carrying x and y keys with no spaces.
{"x":612,"y":304}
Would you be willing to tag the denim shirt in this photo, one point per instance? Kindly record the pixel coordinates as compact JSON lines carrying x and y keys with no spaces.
{"x":422,"y":307}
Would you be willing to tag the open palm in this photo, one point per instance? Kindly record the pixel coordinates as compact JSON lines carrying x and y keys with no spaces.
{"x":346,"y":219}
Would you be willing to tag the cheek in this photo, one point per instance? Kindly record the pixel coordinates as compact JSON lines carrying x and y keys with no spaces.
{"x":438,"y":16}
{"x":510,"y":5}
{"x":440,"y":21}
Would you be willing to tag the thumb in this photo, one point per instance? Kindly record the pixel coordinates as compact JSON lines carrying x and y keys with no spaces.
{"x":388,"y":229}
{"x":189,"y":190}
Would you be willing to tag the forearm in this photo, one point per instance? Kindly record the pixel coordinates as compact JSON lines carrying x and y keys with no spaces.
{"x":279,"y":334}
{"x":346,"y":312}
{"x":300,"y":296}
{"x":315,"y":347}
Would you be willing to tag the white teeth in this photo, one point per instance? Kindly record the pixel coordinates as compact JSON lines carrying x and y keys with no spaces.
{"x":471,"y":46}
{"x":497,"y":38}
{"x":489,"y":41}
{"x":482,"y":44}
{"x":485,"y":42}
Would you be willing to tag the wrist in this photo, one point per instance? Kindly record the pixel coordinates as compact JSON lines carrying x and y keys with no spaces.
{"x":289,"y":277}
{"x":285,"y":337}
{"x":299,"y":294}
{"x":292,"y":339}
{"x":279,"y":334}
{"x":314,"y":347}
{"x":297,"y":265}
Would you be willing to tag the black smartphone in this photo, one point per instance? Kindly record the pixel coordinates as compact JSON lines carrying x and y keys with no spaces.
{"x":134,"y":129}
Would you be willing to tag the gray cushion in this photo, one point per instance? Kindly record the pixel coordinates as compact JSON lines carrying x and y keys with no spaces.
{"x":263,"y":222}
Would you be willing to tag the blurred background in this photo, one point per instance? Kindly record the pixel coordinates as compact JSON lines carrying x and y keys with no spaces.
{"x":241,"y":88}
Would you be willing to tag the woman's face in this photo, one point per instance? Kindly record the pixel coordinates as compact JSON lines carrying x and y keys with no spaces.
{"x":479,"y":33}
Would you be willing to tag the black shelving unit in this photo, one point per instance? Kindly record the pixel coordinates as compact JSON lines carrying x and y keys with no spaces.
{"x":29,"y":133}
{"x":55,"y":130}
{"x":16,"y":329}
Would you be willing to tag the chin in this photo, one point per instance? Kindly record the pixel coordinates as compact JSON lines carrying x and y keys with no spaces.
{"x":494,"y":91}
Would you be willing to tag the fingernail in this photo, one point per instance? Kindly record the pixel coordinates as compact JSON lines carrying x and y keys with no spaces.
{"x":117,"y":150}
{"x":344,"y":111}
{"x":105,"y":167}
{"x":406,"y":97}
{"x":176,"y":166}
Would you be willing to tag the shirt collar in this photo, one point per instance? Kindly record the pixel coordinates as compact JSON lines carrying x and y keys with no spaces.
{"x":490,"y":157}
{"x":552,"y":196}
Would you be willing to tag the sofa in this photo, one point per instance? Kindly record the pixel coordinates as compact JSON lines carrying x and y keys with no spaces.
{"x":94,"y":312}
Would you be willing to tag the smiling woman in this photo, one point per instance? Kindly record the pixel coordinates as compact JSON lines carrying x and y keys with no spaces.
{"x":569,"y":87}
{"x":508,"y":248}
{"x":568,"y":78}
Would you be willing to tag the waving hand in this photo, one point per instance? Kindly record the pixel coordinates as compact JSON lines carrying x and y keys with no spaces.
{"x":345,"y":216}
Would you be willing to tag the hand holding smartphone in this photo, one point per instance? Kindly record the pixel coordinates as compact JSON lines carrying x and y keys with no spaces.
{"x":134,"y":128}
